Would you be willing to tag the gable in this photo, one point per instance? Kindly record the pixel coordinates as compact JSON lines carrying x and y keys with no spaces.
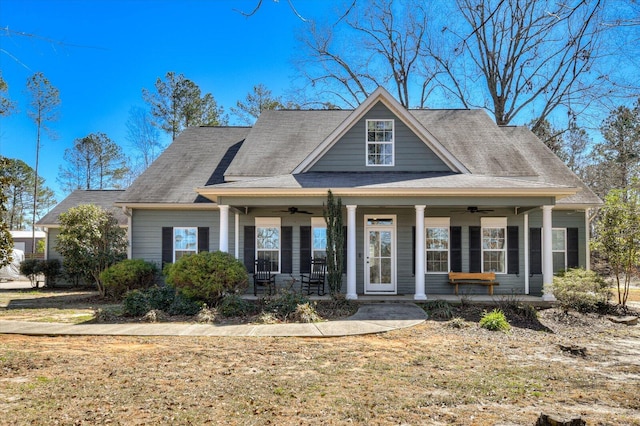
{"x":410,"y":153}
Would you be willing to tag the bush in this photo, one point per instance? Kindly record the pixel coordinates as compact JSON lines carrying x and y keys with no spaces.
{"x":306,"y":313}
{"x":130,"y":274}
{"x":284,"y":304}
{"x":207,"y":276}
{"x":233,"y":305}
{"x":51,"y":269}
{"x":438,"y":310}
{"x":30,"y":268}
{"x":581,"y":290}
{"x":161,"y":298}
{"x":494,"y":321}
{"x":137,"y":303}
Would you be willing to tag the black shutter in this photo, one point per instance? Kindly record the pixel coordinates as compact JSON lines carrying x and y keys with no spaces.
{"x":513,"y":251}
{"x":305,"y":249}
{"x":413,"y":250}
{"x":249,"y":247}
{"x":475,"y":249}
{"x":344,"y":249}
{"x":535,"y":250}
{"x":572,"y":248}
{"x":203,"y":239}
{"x":167,"y":245}
{"x":455,"y":248}
{"x":286,"y":252}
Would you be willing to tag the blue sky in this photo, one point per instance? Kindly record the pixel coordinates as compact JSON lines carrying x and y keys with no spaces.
{"x":101,"y":53}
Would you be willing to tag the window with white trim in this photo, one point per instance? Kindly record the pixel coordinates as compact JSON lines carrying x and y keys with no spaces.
{"x":318,"y":238}
{"x":559,"y":249}
{"x":268,"y":241}
{"x":380,"y":139}
{"x":494,"y":244}
{"x":437,"y":244}
{"x":185,"y":241}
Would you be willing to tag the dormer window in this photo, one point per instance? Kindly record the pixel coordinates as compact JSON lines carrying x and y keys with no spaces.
{"x":380,"y":137}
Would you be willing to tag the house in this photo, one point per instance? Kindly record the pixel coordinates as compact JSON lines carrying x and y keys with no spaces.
{"x":23,"y":240}
{"x":425,"y":192}
{"x":51,"y":221}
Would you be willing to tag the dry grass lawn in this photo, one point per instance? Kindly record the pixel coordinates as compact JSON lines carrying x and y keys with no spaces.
{"x":434,"y":374}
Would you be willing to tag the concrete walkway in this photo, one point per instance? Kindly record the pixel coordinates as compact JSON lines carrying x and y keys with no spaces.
{"x":370,"y":318}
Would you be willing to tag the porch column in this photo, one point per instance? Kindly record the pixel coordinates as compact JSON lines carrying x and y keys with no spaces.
{"x":224,"y":228}
{"x":351,"y":252}
{"x":547,"y":255}
{"x":237,"y":236}
{"x":527,"y":267}
{"x":420,"y":254}
{"x":587,"y":235}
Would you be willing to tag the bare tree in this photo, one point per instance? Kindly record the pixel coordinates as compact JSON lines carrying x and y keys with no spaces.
{"x":530,"y":54}
{"x":143,"y":137}
{"x":45,"y":100}
{"x":377,"y":44}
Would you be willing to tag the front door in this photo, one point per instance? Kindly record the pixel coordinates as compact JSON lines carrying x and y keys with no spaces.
{"x":380,"y":261}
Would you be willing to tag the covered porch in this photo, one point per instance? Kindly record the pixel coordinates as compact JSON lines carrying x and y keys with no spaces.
{"x":386,"y":217}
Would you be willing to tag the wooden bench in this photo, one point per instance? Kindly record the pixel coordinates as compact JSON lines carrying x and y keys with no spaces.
{"x":481,"y":278}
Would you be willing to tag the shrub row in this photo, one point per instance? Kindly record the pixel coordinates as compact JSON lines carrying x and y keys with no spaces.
{"x":166,"y":299}
{"x":50,"y":268}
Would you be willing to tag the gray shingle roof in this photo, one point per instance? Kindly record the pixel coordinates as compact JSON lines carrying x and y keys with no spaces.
{"x":280,"y":140}
{"x":198,"y":157}
{"x":474,"y":139}
{"x":104,"y":198}
{"x":548,"y":167}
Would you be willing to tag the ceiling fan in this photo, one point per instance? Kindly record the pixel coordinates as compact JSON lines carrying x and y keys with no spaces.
{"x":474,"y":209}
{"x":294,"y":210}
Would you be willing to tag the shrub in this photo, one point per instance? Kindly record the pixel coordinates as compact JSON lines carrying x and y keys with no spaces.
{"x":581,"y":290}
{"x":439,"y":309}
{"x":457,"y":322}
{"x":51,"y":269}
{"x":306,"y":313}
{"x":284,"y":304}
{"x":207,"y":276}
{"x":30,"y":268}
{"x":137,"y":303}
{"x":233,"y":305}
{"x":161,"y":298}
{"x":130,"y":274}
{"x":206,"y":315}
{"x":494,"y":321}
{"x":184,"y":306}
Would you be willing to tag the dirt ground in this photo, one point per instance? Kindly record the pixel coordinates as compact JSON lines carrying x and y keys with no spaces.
{"x":438,"y":373}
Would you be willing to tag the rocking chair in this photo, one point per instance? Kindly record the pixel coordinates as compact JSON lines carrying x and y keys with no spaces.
{"x":263,"y":278}
{"x":315,"y":279}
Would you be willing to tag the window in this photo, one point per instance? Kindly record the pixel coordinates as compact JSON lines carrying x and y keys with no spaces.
{"x":185,"y":241}
{"x":268,"y":241}
{"x":437,"y":244}
{"x":494,"y":244}
{"x":318,"y":238}
{"x":380,"y":142}
{"x":559,"y":249}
